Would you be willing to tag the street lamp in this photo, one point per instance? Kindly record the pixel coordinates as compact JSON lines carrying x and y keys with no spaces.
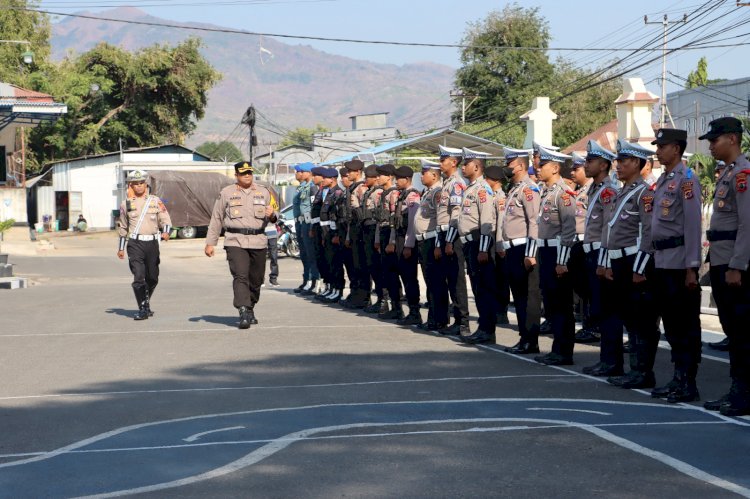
{"x":28,"y":57}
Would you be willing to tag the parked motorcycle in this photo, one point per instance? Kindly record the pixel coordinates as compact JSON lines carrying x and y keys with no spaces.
{"x":287,"y":238}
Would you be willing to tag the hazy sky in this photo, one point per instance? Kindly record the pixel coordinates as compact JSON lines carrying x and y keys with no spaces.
{"x":573,"y":23}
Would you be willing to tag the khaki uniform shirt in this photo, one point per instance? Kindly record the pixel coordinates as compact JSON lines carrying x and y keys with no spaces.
{"x":425,"y":220}
{"x":239,"y":208}
{"x":677,"y":214}
{"x":409,"y":207}
{"x":478,"y":213}
{"x":628,"y":223}
{"x":732,"y":213}
{"x":499,"y":214}
{"x":600,"y":196}
{"x":155,"y":218}
{"x":582,"y":205}
{"x":522,"y":214}
{"x":557,"y":219}
{"x":450,"y":200}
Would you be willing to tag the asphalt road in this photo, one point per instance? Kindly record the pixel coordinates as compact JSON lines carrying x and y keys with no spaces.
{"x":314,"y":401}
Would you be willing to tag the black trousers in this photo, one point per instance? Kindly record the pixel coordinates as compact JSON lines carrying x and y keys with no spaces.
{"x":522,"y":282}
{"x":734,"y":313}
{"x":372,"y":258}
{"x":389,"y":267}
{"x":407,"y":271}
{"x":501,"y":284}
{"x":482,"y":278}
{"x":577,"y":267}
{"x":273,"y":256}
{"x":334,"y":258}
{"x":594,"y":297}
{"x":247,"y":267}
{"x":679,"y":308}
{"x":615,"y":297}
{"x":557,"y":294}
{"x":320,"y":256}
{"x":454,"y":270}
{"x":361,"y":281}
{"x":143,"y":258}
{"x":434,"y":278}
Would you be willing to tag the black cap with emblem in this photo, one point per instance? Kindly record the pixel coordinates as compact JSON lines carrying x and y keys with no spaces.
{"x":720,"y":126}
{"x":670,"y":136}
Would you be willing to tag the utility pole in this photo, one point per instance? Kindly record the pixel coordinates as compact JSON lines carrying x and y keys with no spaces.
{"x":464,"y":106}
{"x":663,"y":105}
{"x":249,"y":119}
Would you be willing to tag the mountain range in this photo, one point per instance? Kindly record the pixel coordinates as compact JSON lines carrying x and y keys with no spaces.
{"x":292,"y":85}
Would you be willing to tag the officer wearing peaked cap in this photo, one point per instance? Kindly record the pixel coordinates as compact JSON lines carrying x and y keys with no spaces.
{"x":629,"y":266}
{"x":302,"y":212}
{"x":676,"y":238}
{"x":557,"y":231}
{"x":243,"y":210}
{"x":519,"y":234}
{"x":424,"y":228}
{"x":729,"y":255}
{"x":475,"y":228}
{"x":143,"y":221}
{"x":451,"y":255}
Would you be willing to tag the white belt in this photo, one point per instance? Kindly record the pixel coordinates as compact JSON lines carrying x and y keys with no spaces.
{"x":426,"y":236}
{"x":620,"y":253}
{"x":548,"y":243}
{"x":301,"y":218}
{"x":150,"y":237}
{"x":515,"y":242}
{"x":326,"y":223}
{"x":579,"y":238}
{"x":315,"y":220}
{"x":589,"y":247}
{"x":467,"y":238}
{"x":442,"y":228}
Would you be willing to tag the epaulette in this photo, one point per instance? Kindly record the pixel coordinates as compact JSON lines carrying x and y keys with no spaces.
{"x":572,"y":193}
{"x":534,"y":188}
{"x":689,"y":173}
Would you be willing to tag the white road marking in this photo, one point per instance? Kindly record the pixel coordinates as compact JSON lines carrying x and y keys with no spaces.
{"x":285,"y":387}
{"x":568,"y":410}
{"x":193,"y":438}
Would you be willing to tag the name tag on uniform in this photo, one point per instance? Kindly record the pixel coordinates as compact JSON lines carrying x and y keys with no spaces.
{"x":308,"y":218}
{"x":259,"y":200}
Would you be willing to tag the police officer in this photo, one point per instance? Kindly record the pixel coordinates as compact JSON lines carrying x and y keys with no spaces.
{"x":630,"y":268}
{"x":577,"y":263}
{"x":331,"y":213}
{"x":354,"y":255}
{"x":451,"y":258}
{"x":243,"y":210}
{"x":519,"y":235}
{"x":385,"y":241}
{"x":475,"y":228}
{"x":143,"y":221}
{"x":557,"y":231}
{"x":729,"y":254}
{"x":407,"y":205}
{"x":316,"y":233}
{"x":495,"y":177}
{"x":676,"y":237}
{"x":369,"y":205}
{"x":302,"y":212}
{"x":423,"y":233}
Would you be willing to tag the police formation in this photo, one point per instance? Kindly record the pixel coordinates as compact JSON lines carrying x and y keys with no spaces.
{"x":545,"y":227}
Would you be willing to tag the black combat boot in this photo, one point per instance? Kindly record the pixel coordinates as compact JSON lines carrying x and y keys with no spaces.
{"x":300,"y":288}
{"x":141,"y":297}
{"x":738,"y":403}
{"x":413,"y":319}
{"x":662,"y":391}
{"x":244,"y":318}
{"x":395,"y":313}
{"x":309,"y":288}
{"x":686,"y":391}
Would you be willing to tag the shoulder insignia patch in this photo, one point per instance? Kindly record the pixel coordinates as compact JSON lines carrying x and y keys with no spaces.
{"x":740,"y":181}
{"x":529,"y":193}
{"x":607,"y":195}
{"x":687,"y":190}
{"x":482,"y":195}
{"x":566,"y":199}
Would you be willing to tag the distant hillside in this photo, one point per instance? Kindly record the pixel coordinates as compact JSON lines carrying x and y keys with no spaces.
{"x":298,"y":86}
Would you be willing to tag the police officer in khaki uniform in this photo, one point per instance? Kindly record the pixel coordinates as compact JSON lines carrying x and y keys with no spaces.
{"x":630,"y":268}
{"x":577,"y":262}
{"x":451,"y":257}
{"x":676,"y":237}
{"x":495,"y":177}
{"x":519,"y":234}
{"x":423,"y":233}
{"x":729,"y":254}
{"x":243,"y":210}
{"x":475,"y":228}
{"x":557,"y":232}
{"x":143,"y":221}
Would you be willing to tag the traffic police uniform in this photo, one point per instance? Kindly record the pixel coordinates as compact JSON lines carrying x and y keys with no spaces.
{"x":627,"y":239}
{"x":676,"y":238}
{"x":453,"y":266}
{"x":519,"y":234}
{"x":331,"y":213}
{"x":407,"y":206}
{"x":302,"y":212}
{"x":502,"y":288}
{"x":577,"y":262}
{"x":475,"y":228}
{"x":423,"y":233}
{"x":242,"y":215}
{"x":557,"y":231}
{"x":729,"y":237}
{"x":141,"y":223}
{"x":370,"y":204}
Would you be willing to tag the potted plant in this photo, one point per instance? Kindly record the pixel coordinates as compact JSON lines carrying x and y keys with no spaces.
{"x":4,"y":225}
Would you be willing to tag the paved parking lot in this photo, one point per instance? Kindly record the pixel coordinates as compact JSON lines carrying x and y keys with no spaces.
{"x":315,"y":401}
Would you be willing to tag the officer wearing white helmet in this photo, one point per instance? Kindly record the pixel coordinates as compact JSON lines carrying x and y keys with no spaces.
{"x":142,"y":222}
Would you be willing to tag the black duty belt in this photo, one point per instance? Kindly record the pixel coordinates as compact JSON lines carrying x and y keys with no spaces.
{"x":246,"y":232}
{"x":669,"y":243}
{"x":721,"y":235}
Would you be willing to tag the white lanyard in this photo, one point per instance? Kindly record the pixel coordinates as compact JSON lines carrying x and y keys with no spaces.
{"x":143,"y":215}
{"x":624,"y":202}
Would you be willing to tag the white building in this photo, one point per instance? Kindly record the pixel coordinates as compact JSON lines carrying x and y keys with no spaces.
{"x":368,"y":130}
{"x":94,"y":186}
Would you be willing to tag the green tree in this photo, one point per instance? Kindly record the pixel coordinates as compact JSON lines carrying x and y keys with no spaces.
{"x":221,"y":151}
{"x":22,"y":25}
{"x":150,"y":97}
{"x":504,"y":80}
{"x":699,"y":77}
{"x":302,"y":136}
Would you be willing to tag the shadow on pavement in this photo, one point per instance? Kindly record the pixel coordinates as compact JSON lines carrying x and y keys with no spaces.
{"x":216,"y":319}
